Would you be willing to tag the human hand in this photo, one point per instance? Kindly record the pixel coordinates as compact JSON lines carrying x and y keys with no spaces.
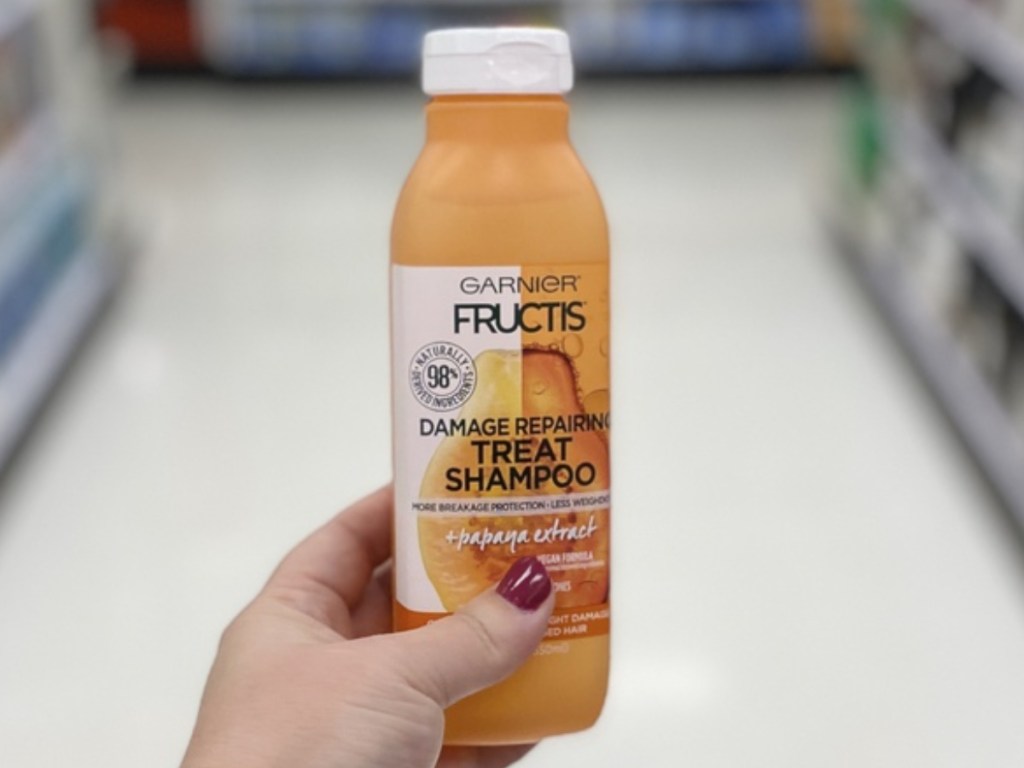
{"x":307,"y":675}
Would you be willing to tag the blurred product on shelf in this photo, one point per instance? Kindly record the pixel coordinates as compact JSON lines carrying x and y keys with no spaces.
{"x":935,"y":209}
{"x":833,"y":25}
{"x":325,"y":38}
{"x":56,"y":267}
{"x":159,"y":33}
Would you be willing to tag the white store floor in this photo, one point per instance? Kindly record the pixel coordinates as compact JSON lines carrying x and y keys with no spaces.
{"x":808,"y":573}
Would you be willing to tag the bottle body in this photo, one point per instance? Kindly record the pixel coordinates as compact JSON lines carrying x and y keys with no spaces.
{"x":501,"y":396}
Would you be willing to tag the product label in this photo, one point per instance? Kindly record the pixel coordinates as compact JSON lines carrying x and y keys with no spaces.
{"x":502,"y":424}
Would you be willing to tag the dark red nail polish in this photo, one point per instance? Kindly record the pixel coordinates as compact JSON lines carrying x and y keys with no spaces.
{"x":526,"y":584}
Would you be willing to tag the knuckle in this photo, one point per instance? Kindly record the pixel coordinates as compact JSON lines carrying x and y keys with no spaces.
{"x":228,"y":634}
{"x":234,"y":631}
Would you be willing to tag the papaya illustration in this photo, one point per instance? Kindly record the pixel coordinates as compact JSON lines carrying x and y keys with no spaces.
{"x":518,"y":385}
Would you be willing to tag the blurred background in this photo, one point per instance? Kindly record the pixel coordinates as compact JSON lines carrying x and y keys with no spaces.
{"x":817,"y":212}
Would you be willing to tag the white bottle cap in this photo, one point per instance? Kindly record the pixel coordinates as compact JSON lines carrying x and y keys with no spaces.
{"x":497,"y":60}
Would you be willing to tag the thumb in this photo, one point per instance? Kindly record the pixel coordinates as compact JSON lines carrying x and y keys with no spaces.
{"x":483,"y":642}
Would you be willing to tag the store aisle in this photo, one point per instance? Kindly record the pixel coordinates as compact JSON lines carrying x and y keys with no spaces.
{"x":807,"y":572}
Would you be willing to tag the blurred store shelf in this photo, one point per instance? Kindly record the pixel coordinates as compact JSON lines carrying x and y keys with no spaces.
{"x":953,"y":379}
{"x":334,"y":38}
{"x":958,"y":203}
{"x":57,"y":259}
{"x":981,"y":35}
{"x":32,"y":368}
{"x":935,"y":210}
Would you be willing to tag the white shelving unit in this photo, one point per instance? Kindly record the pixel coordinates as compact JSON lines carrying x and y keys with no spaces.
{"x":36,"y":363}
{"x":979,"y":36}
{"x":959,"y":203}
{"x":58,"y":264}
{"x":987,"y":240}
{"x":967,"y":399}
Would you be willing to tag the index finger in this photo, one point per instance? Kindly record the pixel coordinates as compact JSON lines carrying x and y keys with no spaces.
{"x":325,"y":575}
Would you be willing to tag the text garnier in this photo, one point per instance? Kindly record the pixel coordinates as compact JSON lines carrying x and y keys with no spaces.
{"x":472,"y":285}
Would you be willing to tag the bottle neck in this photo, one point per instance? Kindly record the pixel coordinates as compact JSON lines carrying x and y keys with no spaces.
{"x":499,"y":118}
